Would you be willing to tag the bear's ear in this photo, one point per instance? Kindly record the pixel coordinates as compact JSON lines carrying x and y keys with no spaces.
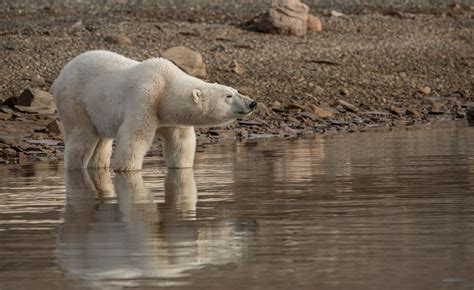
{"x":197,"y":95}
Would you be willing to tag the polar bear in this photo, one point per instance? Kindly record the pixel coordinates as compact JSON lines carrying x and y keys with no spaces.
{"x":101,"y":96}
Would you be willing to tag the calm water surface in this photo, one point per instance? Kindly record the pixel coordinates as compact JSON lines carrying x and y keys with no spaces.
{"x":358,"y":211}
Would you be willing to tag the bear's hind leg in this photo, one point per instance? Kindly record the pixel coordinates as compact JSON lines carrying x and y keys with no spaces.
{"x":179,"y":146}
{"x":102,"y":154}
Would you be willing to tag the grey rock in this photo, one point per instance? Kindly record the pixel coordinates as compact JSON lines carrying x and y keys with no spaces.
{"x":285,"y":17}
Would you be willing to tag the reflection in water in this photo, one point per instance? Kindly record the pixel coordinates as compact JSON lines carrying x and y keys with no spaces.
{"x":356,"y":211}
{"x":130,"y":236}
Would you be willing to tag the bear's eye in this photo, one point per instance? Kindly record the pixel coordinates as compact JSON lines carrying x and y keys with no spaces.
{"x":229,"y":96}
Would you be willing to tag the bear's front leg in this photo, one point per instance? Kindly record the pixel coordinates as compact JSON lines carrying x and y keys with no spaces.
{"x":132,"y":144}
{"x":179,"y":146}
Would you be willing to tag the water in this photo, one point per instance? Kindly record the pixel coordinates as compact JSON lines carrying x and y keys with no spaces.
{"x":356,"y":211}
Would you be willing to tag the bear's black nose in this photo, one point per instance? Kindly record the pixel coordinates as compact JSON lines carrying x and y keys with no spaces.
{"x":252,"y":105}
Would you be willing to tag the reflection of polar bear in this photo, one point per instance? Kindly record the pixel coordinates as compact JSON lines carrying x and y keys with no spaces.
{"x":102,"y":96}
{"x":105,"y":242}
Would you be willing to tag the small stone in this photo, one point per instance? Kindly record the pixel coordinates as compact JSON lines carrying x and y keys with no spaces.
{"x":54,"y":127}
{"x":436,"y":108}
{"x":425,"y":90}
{"x":35,"y":97}
{"x":335,"y":13}
{"x":188,"y":60}
{"x":236,"y":67}
{"x":395,"y":110}
{"x":276,"y":104}
{"x":320,"y":112}
{"x":262,"y":109}
{"x":5,"y":116}
{"x":292,"y":120}
{"x":294,"y":106}
{"x":117,"y":39}
{"x":22,"y":158}
{"x":412,"y":112}
{"x":348,"y":106}
{"x":309,"y":115}
{"x":345,"y":92}
{"x":314,"y":24}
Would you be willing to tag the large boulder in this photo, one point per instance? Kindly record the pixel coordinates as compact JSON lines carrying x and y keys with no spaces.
{"x":188,"y":60}
{"x":285,"y":17}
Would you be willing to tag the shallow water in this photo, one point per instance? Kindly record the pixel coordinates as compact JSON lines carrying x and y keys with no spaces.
{"x":356,"y":211}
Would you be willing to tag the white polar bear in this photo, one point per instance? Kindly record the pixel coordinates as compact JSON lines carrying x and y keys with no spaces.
{"x":101,"y":96}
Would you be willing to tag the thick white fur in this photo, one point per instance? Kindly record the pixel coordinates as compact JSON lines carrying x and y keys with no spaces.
{"x":101,"y":96}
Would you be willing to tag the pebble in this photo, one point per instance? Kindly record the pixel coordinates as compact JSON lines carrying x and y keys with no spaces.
{"x":314,"y":24}
{"x":436,"y":108}
{"x":345,"y":92}
{"x":119,"y":39}
{"x":412,"y":112}
{"x":236,"y":67}
{"x":348,"y":106}
{"x":395,"y":110}
{"x":320,"y":112}
{"x":425,"y":90}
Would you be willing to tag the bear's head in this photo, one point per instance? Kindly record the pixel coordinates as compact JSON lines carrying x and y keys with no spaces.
{"x":218,"y":104}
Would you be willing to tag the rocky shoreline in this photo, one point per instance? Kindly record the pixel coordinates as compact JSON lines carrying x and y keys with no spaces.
{"x":363,"y":71}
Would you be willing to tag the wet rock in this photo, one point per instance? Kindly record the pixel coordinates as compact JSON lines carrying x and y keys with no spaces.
{"x":188,"y":60}
{"x":285,"y":17}
{"x":396,"y":110}
{"x":412,"y":112}
{"x":35,"y":97}
{"x":348,"y":106}
{"x":314,"y":24}
{"x":320,"y":112}
{"x":54,"y":127}
{"x":470,"y":116}
{"x":236,"y":67}
{"x":119,"y":39}
{"x":425,"y":90}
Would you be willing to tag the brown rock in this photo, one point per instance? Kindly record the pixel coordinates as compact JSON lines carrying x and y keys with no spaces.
{"x":436,"y":108}
{"x":295,"y":106}
{"x":35,"y":97}
{"x":54,"y":127}
{"x":285,"y":17}
{"x":345,"y":92}
{"x":117,"y":39}
{"x":235,"y":66}
{"x":320,"y":112}
{"x":292,"y":120}
{"x":348,"y":106}
{"x":22,"y":158}
{"x":188,"y":60}
{"x":395,"y":110}
{"x":9,"y":153}
{"x":36,"y":110}
{"x":412,"y":112}
{"x":425,"y":90}
{"x":262,"y":109}
{"x":314,"y":24}
{"x":5,"y":116}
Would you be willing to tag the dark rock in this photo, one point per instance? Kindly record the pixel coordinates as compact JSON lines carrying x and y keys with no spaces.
{"x":470,"y":116}
{"x":188,"y":60}
{"x":9,"y":153}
